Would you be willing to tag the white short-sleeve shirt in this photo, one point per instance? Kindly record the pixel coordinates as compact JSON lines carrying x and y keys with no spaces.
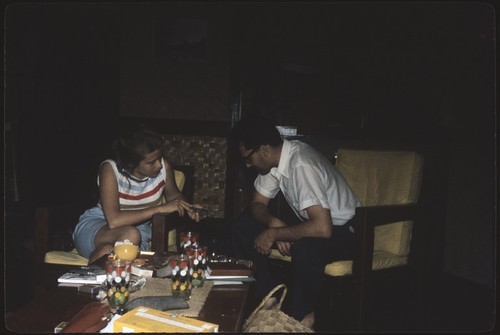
{"x":308,"y":178}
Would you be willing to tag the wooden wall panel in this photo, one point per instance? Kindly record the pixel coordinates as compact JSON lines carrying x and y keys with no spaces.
{"x":159,"y":87}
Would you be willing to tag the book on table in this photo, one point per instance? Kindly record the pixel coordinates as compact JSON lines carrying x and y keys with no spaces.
{"x":229,"y":271}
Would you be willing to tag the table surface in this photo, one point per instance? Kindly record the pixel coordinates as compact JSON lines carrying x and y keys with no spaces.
{"x":54,"y":304}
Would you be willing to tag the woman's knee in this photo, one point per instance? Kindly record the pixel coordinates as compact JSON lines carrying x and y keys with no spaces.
{"x":130,"y":233}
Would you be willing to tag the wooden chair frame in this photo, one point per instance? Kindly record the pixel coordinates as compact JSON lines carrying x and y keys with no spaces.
{"x":162,"y":224}
{"x":359,"y":284}
{"x":364,"y":223}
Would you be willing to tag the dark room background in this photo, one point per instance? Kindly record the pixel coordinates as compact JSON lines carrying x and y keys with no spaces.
{"x":418,"y":74}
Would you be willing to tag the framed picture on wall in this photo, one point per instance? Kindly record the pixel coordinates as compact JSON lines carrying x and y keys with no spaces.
{"x":181,"y":40}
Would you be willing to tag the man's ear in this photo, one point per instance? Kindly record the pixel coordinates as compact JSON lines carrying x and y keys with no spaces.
{"x":265,"y":150}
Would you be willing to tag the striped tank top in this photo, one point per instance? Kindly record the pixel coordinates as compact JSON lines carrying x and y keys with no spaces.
{"x":144,"y":193}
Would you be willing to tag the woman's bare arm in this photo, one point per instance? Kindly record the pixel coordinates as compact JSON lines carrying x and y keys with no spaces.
{"x":108,"y":188}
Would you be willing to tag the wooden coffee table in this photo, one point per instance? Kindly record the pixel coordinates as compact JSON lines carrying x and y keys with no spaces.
{"x":225,"y":306}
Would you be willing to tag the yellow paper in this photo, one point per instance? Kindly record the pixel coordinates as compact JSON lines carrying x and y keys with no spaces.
{"x":148,"y":320}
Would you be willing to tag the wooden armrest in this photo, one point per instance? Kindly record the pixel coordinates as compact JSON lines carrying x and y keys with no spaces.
{"x":54,"y":225}
{"x":41,"y":233}
{"x":364,"y":223}
{"x":161,"y":225}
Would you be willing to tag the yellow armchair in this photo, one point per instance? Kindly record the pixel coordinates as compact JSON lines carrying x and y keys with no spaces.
{"x":388,"y":185}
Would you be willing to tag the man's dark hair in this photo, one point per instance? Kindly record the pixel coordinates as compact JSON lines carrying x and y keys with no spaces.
{"x":254,"y":131}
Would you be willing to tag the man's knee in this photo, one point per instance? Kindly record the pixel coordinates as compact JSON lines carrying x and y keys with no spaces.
{"x":308,"y":251}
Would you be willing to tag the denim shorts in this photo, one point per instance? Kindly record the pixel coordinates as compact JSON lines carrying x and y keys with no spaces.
{"x":89,"y":224}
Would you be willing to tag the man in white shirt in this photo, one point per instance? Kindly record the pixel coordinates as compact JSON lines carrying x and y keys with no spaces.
{"x":317,"y":193}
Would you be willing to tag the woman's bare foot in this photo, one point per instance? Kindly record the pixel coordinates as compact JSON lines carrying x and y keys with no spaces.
{"x":308,"y":320}
{"x":100,"y":251}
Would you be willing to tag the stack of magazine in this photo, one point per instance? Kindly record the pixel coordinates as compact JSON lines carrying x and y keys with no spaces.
{"x":83,"y":275}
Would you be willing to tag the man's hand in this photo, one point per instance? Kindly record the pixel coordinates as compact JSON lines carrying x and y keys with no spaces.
{"x":264,"y":241}
{"x":90,"y":319}
{"x":284,"y":247}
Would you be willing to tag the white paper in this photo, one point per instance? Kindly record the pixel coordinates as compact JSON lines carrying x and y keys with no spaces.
{"x":81,"y":279}
{"x":109,"y":327}
{"x":209,"y":277}
{"x":227,"y":282}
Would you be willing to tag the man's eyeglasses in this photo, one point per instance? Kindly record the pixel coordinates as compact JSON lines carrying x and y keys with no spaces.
{"x":246,"y":159}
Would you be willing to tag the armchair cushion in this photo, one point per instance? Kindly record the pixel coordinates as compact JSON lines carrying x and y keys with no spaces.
{"x":381,"y":260}
{"x":65,"y":257}
{"x":180,"y":179}
{"x":370,"y":173}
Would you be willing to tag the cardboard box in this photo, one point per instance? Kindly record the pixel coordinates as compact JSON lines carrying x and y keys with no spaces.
{"x":152,"y":266}
{"x":148,"y":320}
{"x":149,"y":271}
{"x":141,"y":272}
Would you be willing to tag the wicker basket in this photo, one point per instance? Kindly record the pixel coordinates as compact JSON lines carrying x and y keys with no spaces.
{"x":274,"y":320}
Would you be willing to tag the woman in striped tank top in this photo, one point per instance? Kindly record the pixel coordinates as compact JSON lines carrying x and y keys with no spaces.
{"x":133,"y":187}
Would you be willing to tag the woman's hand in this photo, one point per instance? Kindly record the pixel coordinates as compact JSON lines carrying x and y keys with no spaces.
{"x":176,"y":205}
{"x":90,"y":319}
{"x":197,"y":213}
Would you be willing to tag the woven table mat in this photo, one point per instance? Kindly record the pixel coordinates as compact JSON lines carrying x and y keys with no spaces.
{"x":162,"y":286}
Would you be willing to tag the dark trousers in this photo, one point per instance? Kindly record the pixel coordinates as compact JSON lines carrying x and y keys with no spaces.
{"x":309,"y":258}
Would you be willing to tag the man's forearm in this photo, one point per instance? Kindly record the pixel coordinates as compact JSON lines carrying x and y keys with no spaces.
{"x":295,"y":232}
{"x":283,"y":232}
{"x":260,"y":212}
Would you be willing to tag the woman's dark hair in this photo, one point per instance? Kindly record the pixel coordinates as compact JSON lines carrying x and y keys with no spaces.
{"x":134,"y":143}
{"x":254,"y":131}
